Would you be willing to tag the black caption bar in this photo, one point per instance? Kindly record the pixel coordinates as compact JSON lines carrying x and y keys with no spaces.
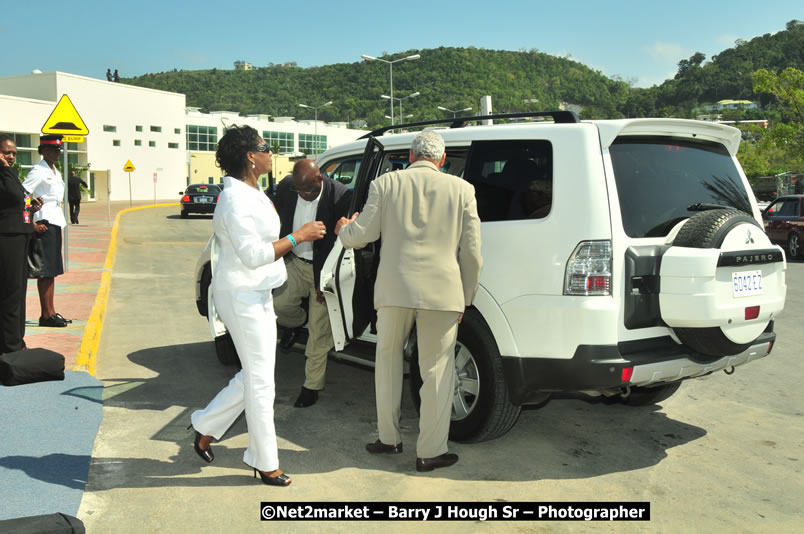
{"x":455,"y":511}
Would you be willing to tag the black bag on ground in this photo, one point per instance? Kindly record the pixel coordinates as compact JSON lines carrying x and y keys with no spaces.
{"x":36,"y":254}
{"x":30,"y":365}
{"x":44,"y":524}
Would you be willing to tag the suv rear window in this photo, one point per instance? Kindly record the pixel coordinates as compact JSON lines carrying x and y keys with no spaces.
{"x":663,"y":180}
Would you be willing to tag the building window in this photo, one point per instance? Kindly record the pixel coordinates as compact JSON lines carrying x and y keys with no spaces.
{"x":24,"y":158}
{"x":116,"y":142}
{"x":156,"y":129}
{"x":109,"y":128}
{"x":173,"y":145}
{"x":285,"y":140}
{"x":21,"y":140}
{"x":310,"y":144}
{"x":138,"y":142}
{"x":138,"y":128}
{"x":151,"y":144}
{"x":177,"y":130}
{"x":202,"y":138}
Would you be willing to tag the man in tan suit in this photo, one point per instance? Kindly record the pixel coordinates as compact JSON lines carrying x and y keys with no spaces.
{"x":429,"y":271}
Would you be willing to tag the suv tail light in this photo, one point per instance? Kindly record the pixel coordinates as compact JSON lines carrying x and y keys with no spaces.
{"x":589,"y":269}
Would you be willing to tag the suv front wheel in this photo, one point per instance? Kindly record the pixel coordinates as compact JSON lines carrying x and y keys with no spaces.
{"x":481,"y":409}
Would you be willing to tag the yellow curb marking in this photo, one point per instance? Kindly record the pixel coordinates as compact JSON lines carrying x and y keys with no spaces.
{"x":88,"y":351}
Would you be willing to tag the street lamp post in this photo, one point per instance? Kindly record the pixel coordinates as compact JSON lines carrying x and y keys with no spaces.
{"x":391,"y":65}
{"x":453,"y":111}
{"x":392,"y":98}
{"x":315,"y":109}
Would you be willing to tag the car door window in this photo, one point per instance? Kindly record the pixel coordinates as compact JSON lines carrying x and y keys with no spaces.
{"x":513,"y":179}
{"x":343,"y":171}
{"x":789,"y":208}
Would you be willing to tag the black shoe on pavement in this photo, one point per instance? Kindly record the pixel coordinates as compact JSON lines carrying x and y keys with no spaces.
{"x":306,"y":398}
{"x":428,"y":464}
{"x":52,"y":321}
{"x":378,"y":447}
{"x":289,"y":337}
{"x":60,"y":316}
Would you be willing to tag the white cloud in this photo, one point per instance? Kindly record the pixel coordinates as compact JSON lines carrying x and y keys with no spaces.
{"x":726,"y":40}
{"x":664,"y":53}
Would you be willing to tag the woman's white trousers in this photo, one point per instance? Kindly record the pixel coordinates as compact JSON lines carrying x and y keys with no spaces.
{"x":249,"y":316}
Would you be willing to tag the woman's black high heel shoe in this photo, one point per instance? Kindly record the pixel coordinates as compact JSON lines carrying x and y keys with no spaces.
{"x":205,"y":455}
{"x":279,"y":480}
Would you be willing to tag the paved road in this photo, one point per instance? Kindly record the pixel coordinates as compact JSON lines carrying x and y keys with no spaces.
{"x":723,"y":454}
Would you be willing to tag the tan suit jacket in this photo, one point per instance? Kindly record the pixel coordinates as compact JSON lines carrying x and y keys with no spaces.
{"x":430,"y":257}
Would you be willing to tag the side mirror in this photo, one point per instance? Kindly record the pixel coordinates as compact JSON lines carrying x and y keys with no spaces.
{"x":181,"y":193}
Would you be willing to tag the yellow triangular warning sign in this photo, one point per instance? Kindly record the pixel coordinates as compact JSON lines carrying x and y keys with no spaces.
{"x":65,"y":120}
{"x":129,"y":167}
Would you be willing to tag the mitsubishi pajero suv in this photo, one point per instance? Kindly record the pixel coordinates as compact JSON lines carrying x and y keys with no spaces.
{"x":620,"y":258}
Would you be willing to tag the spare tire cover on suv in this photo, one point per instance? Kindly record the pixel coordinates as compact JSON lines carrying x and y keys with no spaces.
{"x":720,"y":267}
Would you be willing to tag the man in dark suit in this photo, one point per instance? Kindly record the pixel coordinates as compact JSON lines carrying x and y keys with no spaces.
{"x":74,"y":184}
{"x":308,"y":195}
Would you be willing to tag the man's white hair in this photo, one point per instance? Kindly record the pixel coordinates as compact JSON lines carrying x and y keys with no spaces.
{"x":428,"y":145}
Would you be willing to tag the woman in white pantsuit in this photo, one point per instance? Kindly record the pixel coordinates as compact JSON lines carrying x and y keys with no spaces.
{"x":247,"y":239}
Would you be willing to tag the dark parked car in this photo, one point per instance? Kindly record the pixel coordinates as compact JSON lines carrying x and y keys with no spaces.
{"x":199,"y":198}
{"x":784,"y":223}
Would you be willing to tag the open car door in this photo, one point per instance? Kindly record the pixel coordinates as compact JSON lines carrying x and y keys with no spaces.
{"x":347,"y":278}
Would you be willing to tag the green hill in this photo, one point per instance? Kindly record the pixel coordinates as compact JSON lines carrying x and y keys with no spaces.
{"x":458,"y":77}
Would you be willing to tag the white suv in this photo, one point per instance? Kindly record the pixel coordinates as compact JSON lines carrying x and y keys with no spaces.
{"x":619,"y":258}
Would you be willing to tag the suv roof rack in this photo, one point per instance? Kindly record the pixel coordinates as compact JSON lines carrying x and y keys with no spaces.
{"x":559,"y":117}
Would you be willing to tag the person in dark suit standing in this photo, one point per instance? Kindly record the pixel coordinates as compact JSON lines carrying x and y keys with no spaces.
{"x":308,"y":195}
{"x":428,"y":274}
{"x":74,"y":184}
{"x":16,"y":228}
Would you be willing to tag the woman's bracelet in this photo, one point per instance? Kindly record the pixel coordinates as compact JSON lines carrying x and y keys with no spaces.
{"x":292,"y":241}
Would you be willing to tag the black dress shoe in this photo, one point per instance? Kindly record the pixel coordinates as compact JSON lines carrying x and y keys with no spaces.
{"x":52,"y":321}
{"x":378,"y":447}
{"x":289,"y":337}
{"x":205,"y":454}
{"x":428,"y":464}
{"x":306,"y":398}
{"x":60,"y":316}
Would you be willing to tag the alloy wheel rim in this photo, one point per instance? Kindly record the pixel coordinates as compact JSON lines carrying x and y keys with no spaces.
{"x":467,"y":383}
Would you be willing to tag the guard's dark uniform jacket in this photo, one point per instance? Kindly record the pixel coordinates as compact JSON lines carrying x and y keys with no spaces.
{"x":16,"y":227}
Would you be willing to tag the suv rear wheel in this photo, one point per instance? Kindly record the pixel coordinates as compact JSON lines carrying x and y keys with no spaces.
{"x":481,"y":409}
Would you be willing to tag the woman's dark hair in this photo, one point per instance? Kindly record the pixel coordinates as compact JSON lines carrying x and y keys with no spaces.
{"x":232,"y":149}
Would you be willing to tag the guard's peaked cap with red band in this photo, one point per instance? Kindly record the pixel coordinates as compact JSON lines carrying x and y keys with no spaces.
{"x":50,"y":140}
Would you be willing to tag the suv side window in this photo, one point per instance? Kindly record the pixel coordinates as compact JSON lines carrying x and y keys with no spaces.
{"x":513,"y":179}
{"x":343,"y":171}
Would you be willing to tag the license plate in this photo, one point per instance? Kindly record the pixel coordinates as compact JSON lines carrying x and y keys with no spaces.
{"x":746,"y":283}
{"x":202,"y":200}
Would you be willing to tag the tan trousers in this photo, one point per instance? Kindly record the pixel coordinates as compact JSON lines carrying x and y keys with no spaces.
{"x":290,"y":314}
{"x":436,"y":332}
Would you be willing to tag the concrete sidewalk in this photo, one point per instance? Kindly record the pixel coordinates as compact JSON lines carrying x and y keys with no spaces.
{"x":77,"y":288}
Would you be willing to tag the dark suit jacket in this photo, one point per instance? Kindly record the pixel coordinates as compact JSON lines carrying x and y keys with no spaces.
{"x":12,"y":204}
{"x":333,"y":205}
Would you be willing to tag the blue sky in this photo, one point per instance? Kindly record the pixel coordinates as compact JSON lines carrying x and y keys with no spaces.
{"x":641,"y":41}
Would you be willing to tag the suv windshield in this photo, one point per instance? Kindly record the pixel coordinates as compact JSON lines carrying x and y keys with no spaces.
{"x":663,"y":180}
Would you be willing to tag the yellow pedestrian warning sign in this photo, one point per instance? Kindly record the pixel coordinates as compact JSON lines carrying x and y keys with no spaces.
{"x":65,"y":120}
{"x":129,"y":167}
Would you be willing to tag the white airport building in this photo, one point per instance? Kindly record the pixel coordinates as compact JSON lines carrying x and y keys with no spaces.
{"x":169,"y":144}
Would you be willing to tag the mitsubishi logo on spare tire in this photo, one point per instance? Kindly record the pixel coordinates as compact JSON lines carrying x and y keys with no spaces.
{"x":748,"y":239}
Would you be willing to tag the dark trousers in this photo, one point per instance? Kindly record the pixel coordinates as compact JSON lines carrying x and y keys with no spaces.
{"x":75,"y":209}
{"x":13,"y":288}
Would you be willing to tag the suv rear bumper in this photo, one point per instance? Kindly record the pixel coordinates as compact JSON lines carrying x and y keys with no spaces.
{"x":600,"y":367}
